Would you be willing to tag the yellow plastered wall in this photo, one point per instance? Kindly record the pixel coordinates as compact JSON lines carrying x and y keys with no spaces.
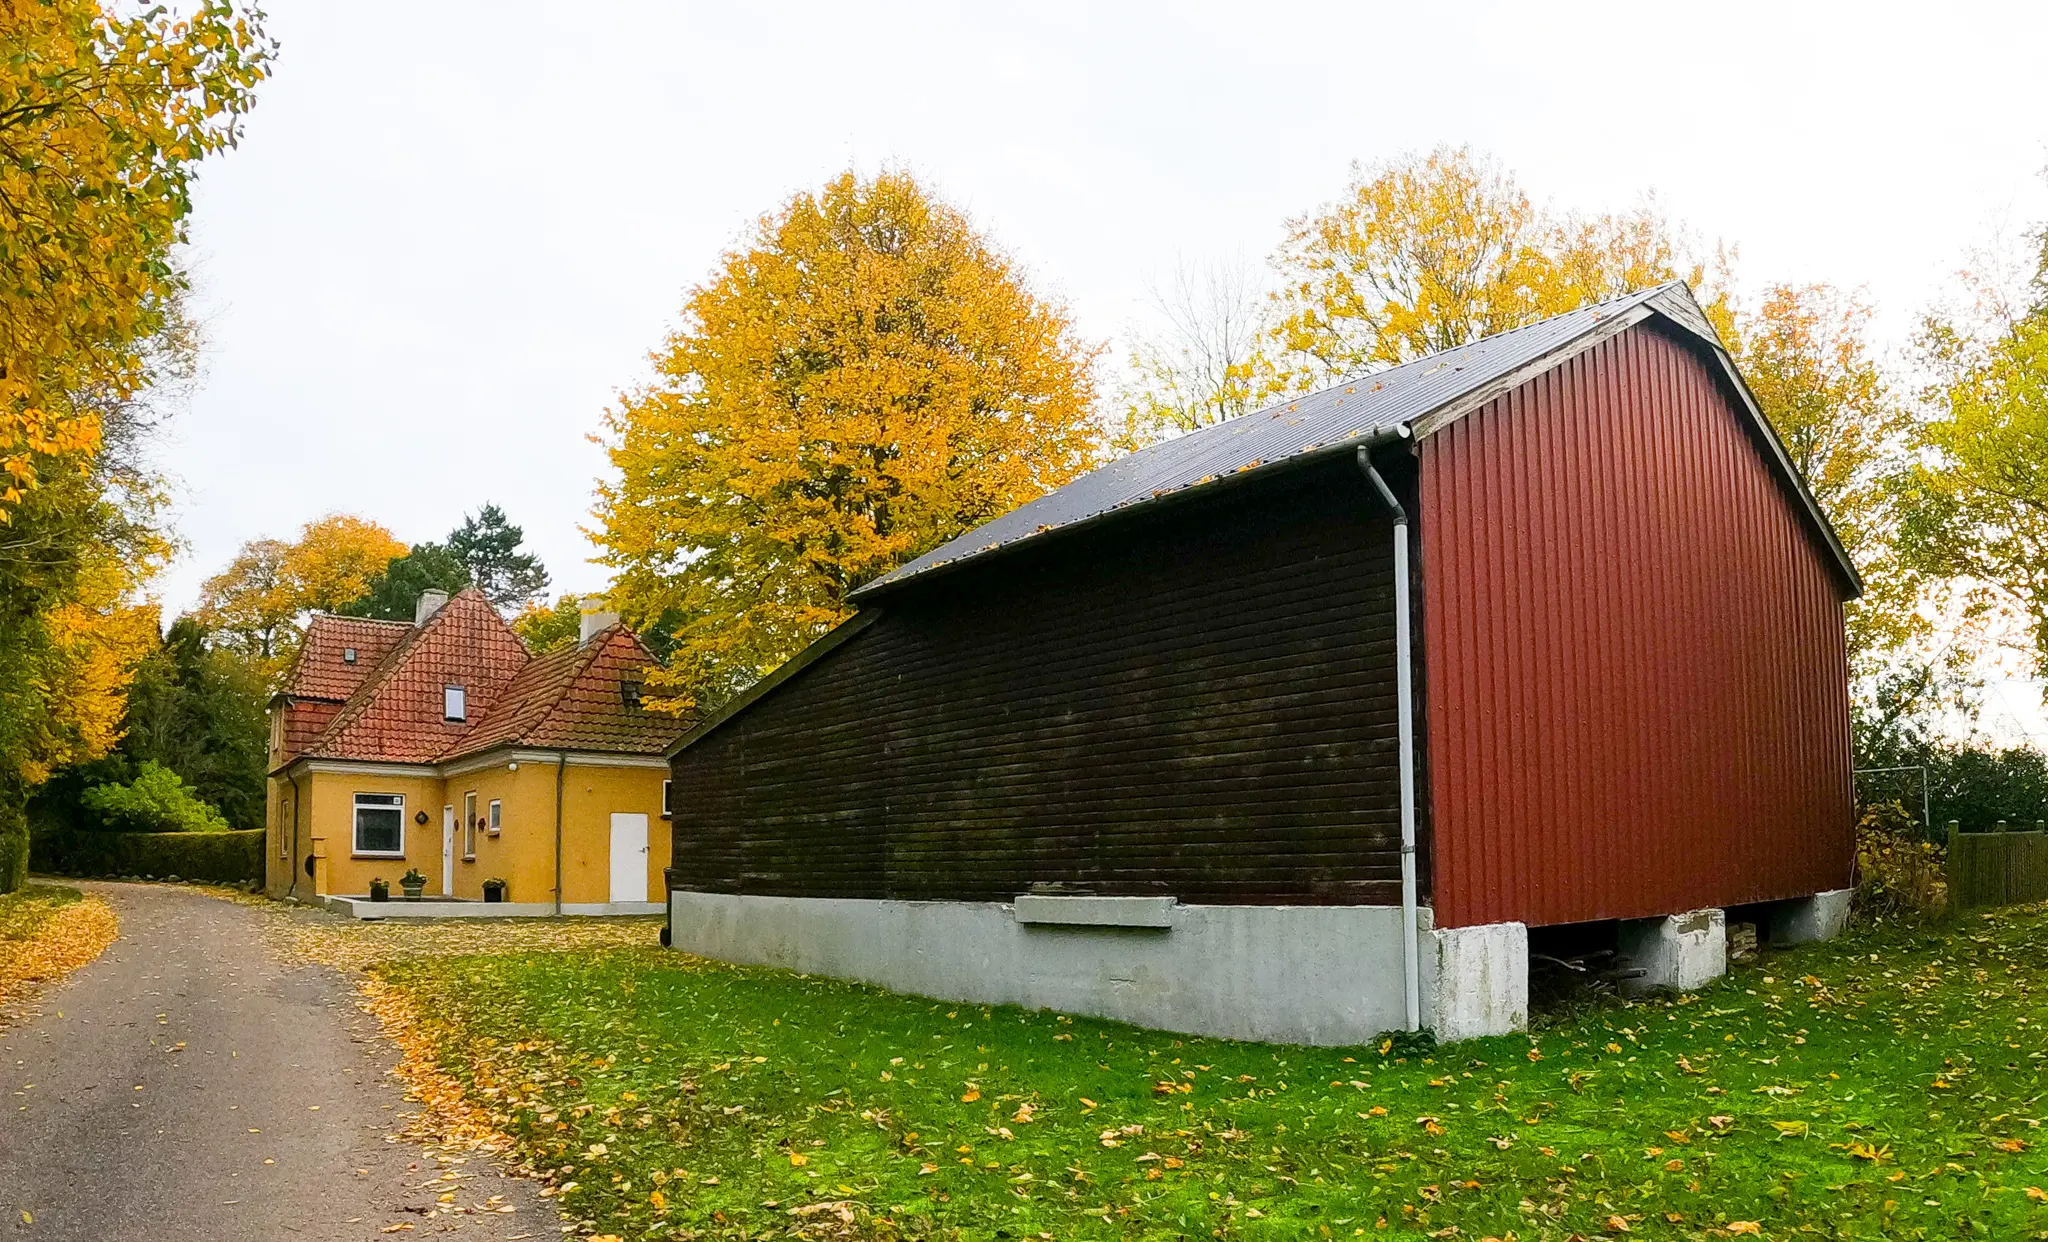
{"x":330,"y":798}
{"x":522,"y":854}
{"x":278,"y":856}
{"x":590,"y":797}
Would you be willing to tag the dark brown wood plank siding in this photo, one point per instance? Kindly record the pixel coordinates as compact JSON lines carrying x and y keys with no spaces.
{"x":1197,"y":703}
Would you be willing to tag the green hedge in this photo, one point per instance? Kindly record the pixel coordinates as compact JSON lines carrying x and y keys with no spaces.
{"x":229,"y":857}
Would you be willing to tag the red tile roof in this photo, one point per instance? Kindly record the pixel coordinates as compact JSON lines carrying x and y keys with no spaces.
{"x":572,"y":700}
{"x":304,"y":722}
{"x":569,"y":699}
{"x":322,"y":672}
{"x":396,"y":717}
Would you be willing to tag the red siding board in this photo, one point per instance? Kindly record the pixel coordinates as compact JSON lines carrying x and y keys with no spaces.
{"x":1638,"y":690}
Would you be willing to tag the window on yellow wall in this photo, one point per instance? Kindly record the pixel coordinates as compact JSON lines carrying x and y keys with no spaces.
{"x":496,"y":821}
{"x":469,"y":826}
{"x":380,"y":826}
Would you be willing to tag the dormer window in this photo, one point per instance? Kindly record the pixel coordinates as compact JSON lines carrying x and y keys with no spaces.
{"x":629,"y":694}
{"x":454,"y":703}
{"x":348,"y":655}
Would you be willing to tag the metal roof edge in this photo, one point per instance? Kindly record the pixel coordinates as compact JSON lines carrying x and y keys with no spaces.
{"x":1781,"y":461}
{"x":1478,"y":398}
{"x":882,"y":587}
{"x":1674,"y":304}
{"x":826,"y":643}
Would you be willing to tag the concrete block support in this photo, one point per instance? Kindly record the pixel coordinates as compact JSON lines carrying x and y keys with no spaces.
{"x":1804,"y":920}
{"x":1675,"y":952}
{"x":1475,"y":980}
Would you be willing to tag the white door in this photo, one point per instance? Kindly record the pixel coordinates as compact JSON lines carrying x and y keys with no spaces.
{"x":629,"y":856}
{"x":448,"y":851}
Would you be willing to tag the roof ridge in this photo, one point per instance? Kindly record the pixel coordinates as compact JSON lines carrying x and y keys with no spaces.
{"x":319,"y":614}
{"x":1643,"y":294}
{"x":565,"y":670}
{"x":353,"y":709}
{"x":1391,"y":403}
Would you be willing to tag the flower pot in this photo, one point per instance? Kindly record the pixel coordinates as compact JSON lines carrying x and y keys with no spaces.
{"x":380,"y":891}
{"x":413,"y":891}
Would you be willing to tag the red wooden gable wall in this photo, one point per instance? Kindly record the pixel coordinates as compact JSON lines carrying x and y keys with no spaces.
{"x":1636,"y":685}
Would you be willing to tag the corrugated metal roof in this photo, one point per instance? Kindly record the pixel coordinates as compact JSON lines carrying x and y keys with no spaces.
{"x":1356,"y":411}
{"x":1345,"y":413}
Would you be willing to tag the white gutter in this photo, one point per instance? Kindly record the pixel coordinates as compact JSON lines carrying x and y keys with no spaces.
{"x":1404,"y":700}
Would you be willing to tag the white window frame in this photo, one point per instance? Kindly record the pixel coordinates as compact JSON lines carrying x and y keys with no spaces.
{"x":495,"y":823}
{"x":666,"y":812}
{"x":454,"y":703}
{"x":469,"y":826}
{"x":355,"y":839}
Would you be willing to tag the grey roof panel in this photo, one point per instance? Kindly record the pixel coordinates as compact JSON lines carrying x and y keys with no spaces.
{"x":1353,"y":411}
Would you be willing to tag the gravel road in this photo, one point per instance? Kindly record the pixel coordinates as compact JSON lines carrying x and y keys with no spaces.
{"x":190,"y":1084}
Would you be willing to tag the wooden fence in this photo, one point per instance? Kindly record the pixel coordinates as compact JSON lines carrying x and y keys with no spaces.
{"x":1996,"y":868}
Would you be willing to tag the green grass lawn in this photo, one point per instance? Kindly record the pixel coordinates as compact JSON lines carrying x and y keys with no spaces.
{"x":1888,"y":1085}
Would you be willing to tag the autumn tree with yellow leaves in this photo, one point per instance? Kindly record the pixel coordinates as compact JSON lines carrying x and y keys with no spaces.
{"x":1418,"y":255}
{"x":258,"y":604}
{"x":105,"y":112}
{"x":103,"y":117}
{"x":864,"y":377}
{"x":1427,"y":253}
{"x":1805,"y":353}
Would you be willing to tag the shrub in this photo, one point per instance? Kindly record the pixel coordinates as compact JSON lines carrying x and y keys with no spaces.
{"x":155,"y":801}
{"x":1898,"y":871}
{"x":226,"y":857}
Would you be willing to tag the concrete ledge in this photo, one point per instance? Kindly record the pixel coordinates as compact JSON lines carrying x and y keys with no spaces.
{"x":1804,"y":920}
{"x":1095,"y":911}
{"x":364,"y":908}
{"x":1676,"y":952}
{"x":1329,"y":975}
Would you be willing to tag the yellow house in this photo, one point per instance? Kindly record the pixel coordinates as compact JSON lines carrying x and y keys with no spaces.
{"x":445,"y":746}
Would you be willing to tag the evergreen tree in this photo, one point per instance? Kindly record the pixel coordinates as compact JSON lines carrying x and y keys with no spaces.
{"x":393,"y":594}
{"x":489,"y":545}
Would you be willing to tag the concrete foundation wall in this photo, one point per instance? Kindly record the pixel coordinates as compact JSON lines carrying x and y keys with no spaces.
{"x":1329,"y":975}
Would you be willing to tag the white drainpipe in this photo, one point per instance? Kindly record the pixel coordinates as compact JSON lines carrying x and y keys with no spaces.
{"x":1404,"y":699}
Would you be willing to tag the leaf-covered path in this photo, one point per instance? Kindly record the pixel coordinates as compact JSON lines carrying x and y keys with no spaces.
{"x":192,"y":1084}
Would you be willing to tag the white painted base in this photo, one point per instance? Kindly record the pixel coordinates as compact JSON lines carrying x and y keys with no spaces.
{"x":1475,"y":980}
{"x":1676,"y":952}
{"x":1804,"y":920}
{"x":364,"y":908}
{"x":1329,"y":975}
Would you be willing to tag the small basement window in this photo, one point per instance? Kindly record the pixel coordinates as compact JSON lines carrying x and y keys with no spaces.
{"x":454,"y":703}
{"x":629,"y":694}
{"x":380,"y":825}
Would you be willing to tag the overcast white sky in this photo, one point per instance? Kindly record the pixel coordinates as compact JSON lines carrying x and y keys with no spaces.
{"x":455,"y":229}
